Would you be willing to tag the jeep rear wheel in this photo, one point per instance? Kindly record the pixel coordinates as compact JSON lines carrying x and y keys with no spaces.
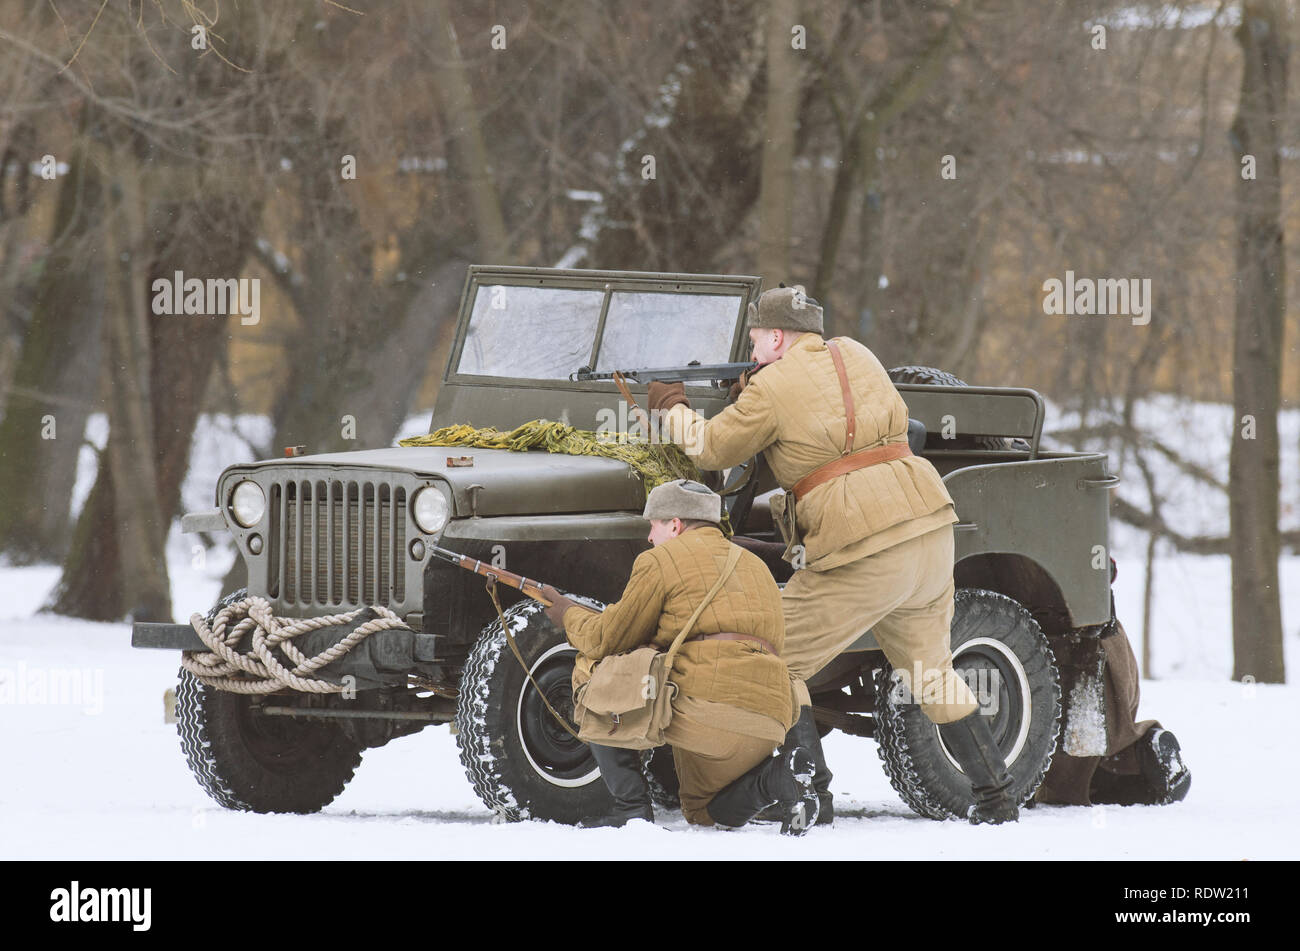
{"x":998,"y":648}
{"x":520,"y":761}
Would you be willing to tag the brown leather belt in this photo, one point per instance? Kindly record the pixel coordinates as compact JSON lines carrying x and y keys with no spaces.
{"x":728,"y":636}
{"x":849,"y":461}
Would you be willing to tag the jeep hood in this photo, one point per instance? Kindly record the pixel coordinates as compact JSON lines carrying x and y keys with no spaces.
{"x":513,"y":483}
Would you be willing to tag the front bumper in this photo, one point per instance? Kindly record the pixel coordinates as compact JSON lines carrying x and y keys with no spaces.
{"x":385,"y":658}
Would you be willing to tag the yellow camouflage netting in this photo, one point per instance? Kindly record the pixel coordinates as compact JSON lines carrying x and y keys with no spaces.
{"x":656,"y":463}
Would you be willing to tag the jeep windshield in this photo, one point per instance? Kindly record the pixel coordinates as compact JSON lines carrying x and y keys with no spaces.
{"x":546,"y":333}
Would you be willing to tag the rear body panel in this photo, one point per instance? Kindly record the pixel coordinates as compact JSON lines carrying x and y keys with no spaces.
{"x":1054,"y":511}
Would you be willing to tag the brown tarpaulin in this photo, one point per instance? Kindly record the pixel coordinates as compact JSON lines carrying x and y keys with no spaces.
{"x":1069,"y":778}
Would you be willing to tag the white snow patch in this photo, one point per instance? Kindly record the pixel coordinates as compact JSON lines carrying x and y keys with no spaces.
{"x":1085,"y":721}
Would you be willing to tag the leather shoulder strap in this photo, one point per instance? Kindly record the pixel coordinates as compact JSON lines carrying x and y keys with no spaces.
{"x":849,"y":412}
{"x":732,"y":558}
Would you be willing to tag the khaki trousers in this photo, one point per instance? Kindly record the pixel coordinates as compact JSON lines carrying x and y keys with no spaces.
{"x":709,"y":756}
{"x":904,"y":595}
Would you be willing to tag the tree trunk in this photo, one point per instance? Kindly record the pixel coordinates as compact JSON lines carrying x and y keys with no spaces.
{"x":141,"y":526}
{"x":681,"y":212}
{"x":897,"y":96}
{"x":863,"y":320}
{"x":456,"y":102}
{"x":1257,"y":345}
{"x":776,"y":191}
{"x":55,"y":380}
{"x":182,"y":352}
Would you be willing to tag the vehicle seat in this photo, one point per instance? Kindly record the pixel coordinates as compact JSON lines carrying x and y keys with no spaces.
{"x":769,"y":553}
{"x":915,"y":435}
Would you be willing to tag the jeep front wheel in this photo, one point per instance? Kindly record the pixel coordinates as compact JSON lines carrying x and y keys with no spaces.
{"x":521,"y":762}
{"x":248,"y":761}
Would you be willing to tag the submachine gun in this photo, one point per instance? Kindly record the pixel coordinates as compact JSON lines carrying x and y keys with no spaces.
{"x":693,"y":372}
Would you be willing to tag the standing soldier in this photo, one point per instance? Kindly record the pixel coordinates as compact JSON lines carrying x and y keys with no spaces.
{"x":733,"y":703}
{"x":872,"y":524}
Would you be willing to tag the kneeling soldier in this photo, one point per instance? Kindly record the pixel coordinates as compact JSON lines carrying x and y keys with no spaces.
{"x":733,"y":702}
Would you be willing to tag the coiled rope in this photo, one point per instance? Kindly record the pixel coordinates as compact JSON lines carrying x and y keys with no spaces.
{"x":258,"y":670}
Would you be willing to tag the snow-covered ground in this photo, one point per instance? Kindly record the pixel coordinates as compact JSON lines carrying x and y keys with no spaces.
{"x":104,"y":777}
{"x":100,"y":775}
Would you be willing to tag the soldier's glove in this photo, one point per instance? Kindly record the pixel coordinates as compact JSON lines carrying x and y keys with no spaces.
{"x":733,"y":394}
{"x":559,"y":604}
{"x":664,"y":396}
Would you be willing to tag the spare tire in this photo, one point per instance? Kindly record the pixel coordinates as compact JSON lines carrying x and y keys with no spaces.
{"x":932,"y":376}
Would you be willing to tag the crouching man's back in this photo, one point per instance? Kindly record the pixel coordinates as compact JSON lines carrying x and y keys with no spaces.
{"x":734,"y":703}
{"x":745,"y":672}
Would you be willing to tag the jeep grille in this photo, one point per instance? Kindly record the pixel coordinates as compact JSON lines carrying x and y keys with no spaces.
{"x":337,"y":543}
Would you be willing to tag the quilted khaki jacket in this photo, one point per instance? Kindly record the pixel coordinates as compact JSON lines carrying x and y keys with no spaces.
{"x":667,"y":584}
{"x":793,"y":411}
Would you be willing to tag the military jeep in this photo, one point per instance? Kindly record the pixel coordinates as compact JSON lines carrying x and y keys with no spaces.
{"x":332,"y":533}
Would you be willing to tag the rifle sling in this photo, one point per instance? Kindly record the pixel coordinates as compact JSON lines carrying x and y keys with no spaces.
{"x":514,"y":649}
{"x":621,"y":383}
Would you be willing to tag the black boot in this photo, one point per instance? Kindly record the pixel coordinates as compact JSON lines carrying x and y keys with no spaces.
{"x":804,"y":733}
{"x":621,"y":771}
{"x":785,"y":779}
{"x":971,"y":743}
{"x":660,"y":771}
{"x":1118,"y":789}
{"x":1162,"y":777}
{"x":1160,"y":759}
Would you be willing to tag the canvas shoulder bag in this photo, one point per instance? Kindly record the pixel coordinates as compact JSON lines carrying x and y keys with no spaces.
{"x":627,"y":703}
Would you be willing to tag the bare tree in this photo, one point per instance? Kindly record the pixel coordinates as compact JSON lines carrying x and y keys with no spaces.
{"x":776,"y":190}
{"x":178,"y":206}
{"x":1264,"y":35}
{"x":56,"y":378}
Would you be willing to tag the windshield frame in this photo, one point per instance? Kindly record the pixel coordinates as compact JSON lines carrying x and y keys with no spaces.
{"x":746,"y":288}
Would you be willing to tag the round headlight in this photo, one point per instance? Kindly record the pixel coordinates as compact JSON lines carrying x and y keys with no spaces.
{"x":248,"y":503}
{"x":431,"y":510}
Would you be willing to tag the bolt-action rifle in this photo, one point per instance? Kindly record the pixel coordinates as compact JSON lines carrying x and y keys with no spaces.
{"x":528,"y":586}
{"x":719,"y":374}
